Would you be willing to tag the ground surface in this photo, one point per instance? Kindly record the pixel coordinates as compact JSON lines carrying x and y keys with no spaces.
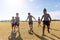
{"x":6,"y":34}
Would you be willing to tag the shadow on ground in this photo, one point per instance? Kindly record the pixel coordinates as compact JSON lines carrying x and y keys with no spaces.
{"x":13,"y":36}
{"x":51,"y":29}
{"x":54,"y":29}
{"x":55,"y":36}
{"x":49,"y":37}
{"x":40,"y":37}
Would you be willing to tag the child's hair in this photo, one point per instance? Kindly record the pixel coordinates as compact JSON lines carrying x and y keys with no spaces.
{"x":28,"y":13}
{"x":12,"y":16}
{"x":44,"y":9}
{"x":38,"y":17}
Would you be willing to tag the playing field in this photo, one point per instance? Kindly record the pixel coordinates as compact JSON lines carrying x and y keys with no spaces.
{"x":5,"y":32}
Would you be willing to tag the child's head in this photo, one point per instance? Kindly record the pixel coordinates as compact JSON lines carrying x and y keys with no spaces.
{"x":28,"y":13}
{"x":17,"y":14}
{"x":12,"y":17}
{"x":38,"y":17}
{"x":44,"y":10}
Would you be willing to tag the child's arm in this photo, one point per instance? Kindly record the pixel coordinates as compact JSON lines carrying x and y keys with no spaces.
{"x":50,"y":18}
{"x":34,"y":18}
{"x":27,"y":19}
{"x":19,"y":19}
{"x":42,"y":17}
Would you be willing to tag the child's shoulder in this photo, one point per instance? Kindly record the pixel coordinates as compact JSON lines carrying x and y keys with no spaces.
{"x":16,"y":17}
{"x":42,"y":15}
{"x":47,"y":13}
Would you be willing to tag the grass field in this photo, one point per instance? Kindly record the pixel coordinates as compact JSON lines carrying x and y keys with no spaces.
{"x":5,"y":32}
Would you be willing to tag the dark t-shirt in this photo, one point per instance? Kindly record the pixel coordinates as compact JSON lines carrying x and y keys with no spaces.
{"x":30,"y":18}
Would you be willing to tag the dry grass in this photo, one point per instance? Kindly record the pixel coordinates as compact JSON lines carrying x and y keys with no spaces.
{"x":5,"y":31}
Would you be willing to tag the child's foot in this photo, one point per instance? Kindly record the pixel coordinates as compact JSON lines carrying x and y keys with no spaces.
{"x":31,"y":30}
{"x":43,"y":34}
{"x":14,"y":31}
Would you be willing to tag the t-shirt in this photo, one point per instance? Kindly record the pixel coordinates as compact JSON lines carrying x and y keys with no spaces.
{"x":38,"y":20}
{"x":30,"y":18}
{"x":17,"y":19}
{"x":46,"y":17}
{"x":13,"y":21}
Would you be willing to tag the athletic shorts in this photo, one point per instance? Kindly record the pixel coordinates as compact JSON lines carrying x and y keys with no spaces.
{"x":30,"y":22}
{"x":16,"y":24}
{"x":13,"y":25}
{"x":46,"y":23}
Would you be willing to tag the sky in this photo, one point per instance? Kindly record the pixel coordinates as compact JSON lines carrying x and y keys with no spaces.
{"x":9,"y":8}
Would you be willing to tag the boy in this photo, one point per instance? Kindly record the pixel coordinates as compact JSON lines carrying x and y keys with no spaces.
{"x":17,"y":20}
{"x":46,"y":21}
{"x":38,"y":21}
{"x":30,"y":22}
{"x":13,"y":23}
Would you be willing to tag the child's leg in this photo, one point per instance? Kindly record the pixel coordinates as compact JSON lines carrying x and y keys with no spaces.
{"x":12,"y":27}
{"x":32,"y":27}
{"x":48,"y":26}
{"x":18,"y":27}
{"x":43,"y":28}
{"x":38,"y":24}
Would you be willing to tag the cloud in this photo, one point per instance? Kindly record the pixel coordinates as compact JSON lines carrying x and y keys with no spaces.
{"x":37,"y":6}
{"x":31,"y":0}
{"x":55,"y":14}
{"x":57,"y":5}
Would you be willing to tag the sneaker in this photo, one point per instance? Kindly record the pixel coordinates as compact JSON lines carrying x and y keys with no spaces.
{"x":48,"y":31}
{"x":14,"y":31}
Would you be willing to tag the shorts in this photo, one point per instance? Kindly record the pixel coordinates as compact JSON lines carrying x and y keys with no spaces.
{"x":46,"y":23}
{"x":30,"y":22}
{"x":16,"y":24}
{"x":13,"y":25}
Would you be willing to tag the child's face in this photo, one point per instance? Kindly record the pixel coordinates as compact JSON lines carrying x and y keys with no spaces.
{"x":17,"y":14}
{"x":44,"y":12}
{"x":12,"y":17}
